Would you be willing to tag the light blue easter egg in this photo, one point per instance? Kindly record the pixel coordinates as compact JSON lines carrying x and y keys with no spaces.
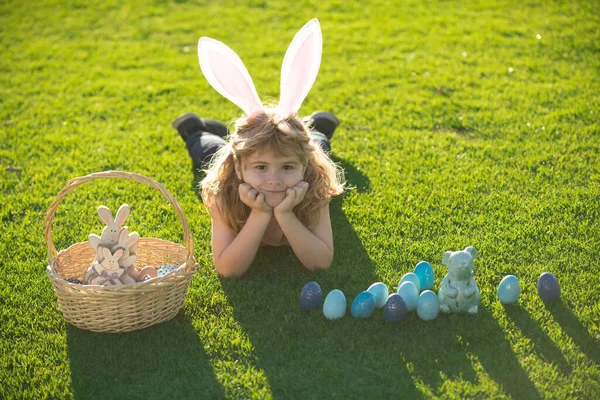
{"x":429,"y":306}
{"x":509,"y":289}
{"x":380,"y":291}
{"x":424,"y":271}
{"x":409,"y":293}
{"x":363,"y":305}
{"x":335,"y":305}
{"x":411,"y":277}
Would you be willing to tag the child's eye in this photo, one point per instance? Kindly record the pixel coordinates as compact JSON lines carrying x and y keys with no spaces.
{"x":288,"y":167}
{"x":261,"y":167}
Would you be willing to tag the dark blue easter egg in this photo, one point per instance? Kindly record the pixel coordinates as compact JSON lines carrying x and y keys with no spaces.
{"x":395,"y":308}
{"x":548,"y":287}
{"x":424,"y":271}
{"x":311,"y":296}
{"x":363,"y":305}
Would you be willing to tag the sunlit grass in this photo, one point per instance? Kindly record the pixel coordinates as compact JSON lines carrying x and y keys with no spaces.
{"x":463,"y":123}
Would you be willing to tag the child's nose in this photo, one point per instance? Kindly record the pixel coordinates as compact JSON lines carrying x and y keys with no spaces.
{"x":274,"y":178}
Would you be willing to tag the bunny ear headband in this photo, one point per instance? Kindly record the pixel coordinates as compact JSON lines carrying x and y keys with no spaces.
{"x":227,"y":74}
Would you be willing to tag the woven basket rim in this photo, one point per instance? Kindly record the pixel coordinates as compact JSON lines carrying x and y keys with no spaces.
{"x":53,"y":274}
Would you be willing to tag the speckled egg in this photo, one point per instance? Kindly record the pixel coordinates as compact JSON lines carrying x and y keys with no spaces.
{"x":395,"y":308}
{"x":380,"y":291}
{"x":509,"y":289}
{"x":165,"y":269}
{"x":409,"y":293}
{"x":548,"y":287}
{"x":334,"y":306}
{"x":363,"y":305}
{"x":411,"y":277}
{"x":428,"y":307}
{"x":311,"y":296}
{"x":424,"y":271}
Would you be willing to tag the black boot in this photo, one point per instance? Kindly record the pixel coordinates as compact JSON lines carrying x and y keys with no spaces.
{"x":322,"y":121}
{"x":189,"y":123}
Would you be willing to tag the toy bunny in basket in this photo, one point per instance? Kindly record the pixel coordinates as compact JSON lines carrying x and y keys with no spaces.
{"x":115,"y":251}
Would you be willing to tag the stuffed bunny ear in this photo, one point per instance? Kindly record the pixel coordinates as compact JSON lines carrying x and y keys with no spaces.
{"x":122,"y":214}
{"x":105,"y":215}
{"x":300,"y":67}
{"x":226,"y":73}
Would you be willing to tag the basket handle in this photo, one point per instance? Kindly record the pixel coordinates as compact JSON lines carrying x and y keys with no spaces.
{"x":75,"y":182}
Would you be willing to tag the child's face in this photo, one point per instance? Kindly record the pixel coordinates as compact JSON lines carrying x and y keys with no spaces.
{"x":271,"y":175}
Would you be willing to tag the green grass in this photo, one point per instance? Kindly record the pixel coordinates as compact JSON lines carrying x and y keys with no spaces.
{"x":460,"y":127}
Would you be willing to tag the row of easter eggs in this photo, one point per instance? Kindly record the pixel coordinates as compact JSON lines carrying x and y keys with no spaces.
{"x":396,"y":306}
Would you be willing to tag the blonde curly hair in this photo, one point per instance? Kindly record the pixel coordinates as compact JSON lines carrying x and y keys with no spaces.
{"x":284,"y":137}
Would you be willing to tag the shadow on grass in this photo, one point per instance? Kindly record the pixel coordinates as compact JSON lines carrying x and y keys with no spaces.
{"x":439,"y":350}
{"x":544,"y":347}
{"x":302,"y":354}
{"x":166,"y":361}
{"x":575,"y":329}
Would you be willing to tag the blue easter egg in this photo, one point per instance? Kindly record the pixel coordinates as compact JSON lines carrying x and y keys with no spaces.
{"x":424,"y":271}
{"x":409,"y":293}
{"x":395,"y":308}
{"x":509,"y":289}
{"x":363,"y":305}
{"x":429,"y":306}
{"x":548,"y":287}
{"x":334,"y":306}
{"x":311,"y":296}
{"x":380,"y":291}
{"x":411,"y":277}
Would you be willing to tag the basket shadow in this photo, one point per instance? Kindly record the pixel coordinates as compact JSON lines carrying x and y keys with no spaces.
{"x":165,"y":361}
{"x":544,"y":347}
{"x":456,"y":339}
{"x":575,"y":329}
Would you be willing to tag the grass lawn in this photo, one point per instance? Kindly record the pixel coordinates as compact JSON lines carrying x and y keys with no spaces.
{"x":463,"y":123}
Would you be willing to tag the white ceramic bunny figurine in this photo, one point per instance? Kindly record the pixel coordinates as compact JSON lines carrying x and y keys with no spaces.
{"x":110,"y":233}
{"x":226,"y":72}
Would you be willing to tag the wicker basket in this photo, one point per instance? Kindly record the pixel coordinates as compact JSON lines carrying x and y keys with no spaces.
{"x":128,"y":307}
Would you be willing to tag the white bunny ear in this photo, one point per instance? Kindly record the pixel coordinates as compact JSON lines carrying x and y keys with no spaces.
{"x":105,"y":215}
{"x":300,"y":67}
{"x":122,"y":214}
{"x":225,"y":72}
{"x":123,"y":234}
{"x":106,"y":253}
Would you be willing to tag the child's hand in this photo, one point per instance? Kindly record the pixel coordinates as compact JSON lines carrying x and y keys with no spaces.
{"x":293,"y":197}
{"x":253,"y":199}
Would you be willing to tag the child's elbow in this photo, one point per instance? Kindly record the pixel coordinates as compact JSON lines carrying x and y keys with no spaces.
{"x":225,"y":272}
{"x":324,"y":263}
